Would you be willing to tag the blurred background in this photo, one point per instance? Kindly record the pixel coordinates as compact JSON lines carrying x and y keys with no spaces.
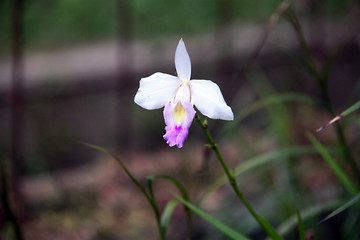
{"x":69,"y":70}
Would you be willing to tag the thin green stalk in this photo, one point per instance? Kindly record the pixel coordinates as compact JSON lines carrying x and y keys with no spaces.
{"x":300,"y":226}
{"x":291,"y":16}
{"x":4,"y":196}
{"x":263,"y":223}
{"x":339,"y":172}
{"x":149,"y":197}
{"x":171,"y":205}
{"x":321,"y":78}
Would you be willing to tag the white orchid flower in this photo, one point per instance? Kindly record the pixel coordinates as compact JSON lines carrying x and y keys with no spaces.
{"x":179,"y":95}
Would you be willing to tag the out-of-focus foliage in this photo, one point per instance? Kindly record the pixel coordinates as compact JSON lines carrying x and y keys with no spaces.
{"x":71,"y":191}
{"x":63,"y":22}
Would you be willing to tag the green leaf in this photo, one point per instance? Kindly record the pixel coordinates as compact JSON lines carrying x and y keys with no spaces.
{"x":167,"y":213}
{"x":351,"y":109}
{"x":216,"y":223}
{"x":279,"y":116}
{"x":126,"y":170}
{"x":175,"y":182}
{"x":150,"y":180}
{"x":301,"y":226}
{"x":257,"y":162}
{"x":333,"y":165}
{"x":149,"y":197}
{"x":263,"y":103}
{"x":288,"y":225}
{"x":270,"y":230}
{"x":342,"y":207}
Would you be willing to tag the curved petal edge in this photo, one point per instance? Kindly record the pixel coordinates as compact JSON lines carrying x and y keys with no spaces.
{"x":208,"y":99}
{"x":156,"y":90}
{"x":182,"y":61}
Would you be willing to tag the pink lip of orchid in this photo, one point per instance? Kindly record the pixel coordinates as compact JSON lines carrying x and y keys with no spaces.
{"x":178,"y":94}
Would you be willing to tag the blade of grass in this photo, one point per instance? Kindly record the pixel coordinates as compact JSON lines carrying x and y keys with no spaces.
{"x":126,"y":170}
{"x":257,"y":162}
{"x":263,"y":103}
{"x":185,"y":195}
{"x":179,"y":186}
{"x":288,"y":225}
{"x":351,"y":109}
{"x":280,"y":127}
{"x":342,"y":207}
{"x":349,"y":185}
{"x":290,"y":15}
{"x":148,"y":196}
{"x":167,"y":213}
{"x":351,"y":225}
{"x":232,"y":181}
{"x":321,"y":78}
{"x":278,"y":113}
{"x":274,"y":18}
{"x":213,"y":221}
{"x":301,"y":226}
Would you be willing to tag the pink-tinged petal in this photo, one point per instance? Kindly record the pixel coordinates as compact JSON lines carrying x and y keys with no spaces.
{"x":190,"y":114}
{"x":178,"y":118}
{"x":168,"y":117}
{"x":182,"y":61}
{"x":176,"y":135}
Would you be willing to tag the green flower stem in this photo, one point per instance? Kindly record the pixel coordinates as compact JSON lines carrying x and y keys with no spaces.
{"x":263,"y":223}
{"x":149,"y":197}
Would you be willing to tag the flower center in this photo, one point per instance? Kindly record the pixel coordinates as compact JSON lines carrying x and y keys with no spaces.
{"x":183,"y":93}
{"x":179,"y":113}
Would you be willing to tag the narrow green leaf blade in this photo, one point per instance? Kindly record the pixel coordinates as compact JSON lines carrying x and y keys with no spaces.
{"x":263,"y":103}
{"x":301,"y":226}
{"x":270,"y":230}
{"x":289,"y":224}
{"x":333,"y":165}
{"x":149,"y":181}
{"x":167,"y":213}
{"x":351,"y":109}
{"x":258,"y":161}
{"x":216,"y":223}
{"x":180,"y":187}
{"x":126,"y":170}
{"x":149,"y":197}
{"x":342,"y":207}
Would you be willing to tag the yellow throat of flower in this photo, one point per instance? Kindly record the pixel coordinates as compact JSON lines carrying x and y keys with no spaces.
{"x":179,"y":113}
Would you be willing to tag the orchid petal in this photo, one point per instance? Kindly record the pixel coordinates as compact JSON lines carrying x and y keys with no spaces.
{"x":156,"y":90}
{"x":208,"y":99}
{"x":182,"y":61}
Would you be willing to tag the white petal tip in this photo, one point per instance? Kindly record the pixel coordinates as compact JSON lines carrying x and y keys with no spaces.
{"x":230,"y":115}
{"x":182,"y":61}
{"x":227,"y":115}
